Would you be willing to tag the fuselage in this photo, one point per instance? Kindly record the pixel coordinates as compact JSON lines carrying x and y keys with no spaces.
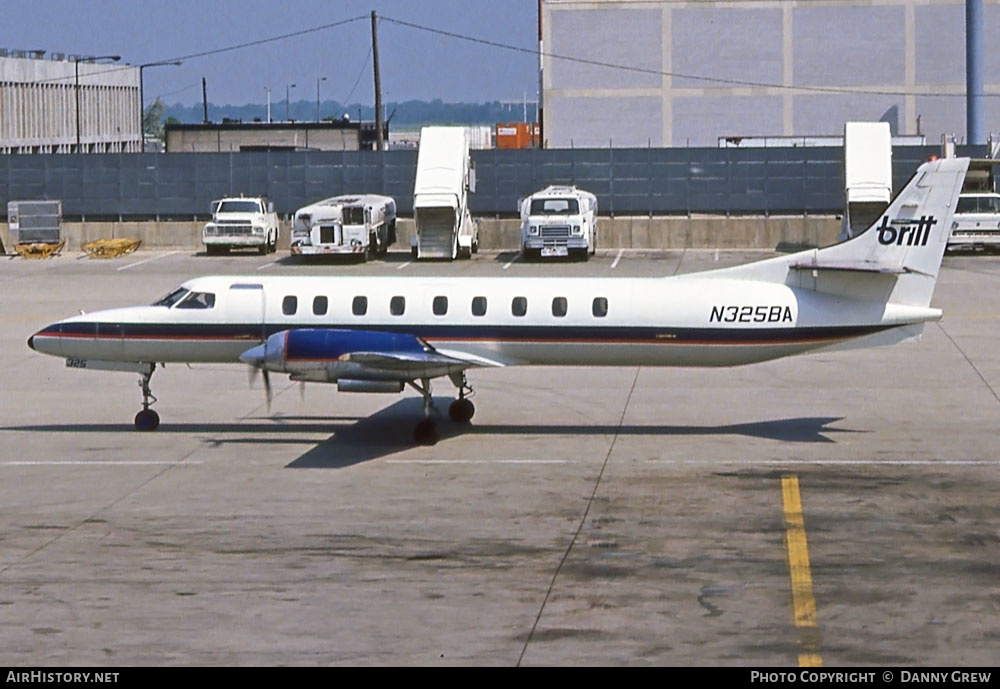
{"x":674,"y":321}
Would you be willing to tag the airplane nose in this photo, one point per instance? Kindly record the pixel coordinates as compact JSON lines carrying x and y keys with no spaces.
{"x":31,"y":343}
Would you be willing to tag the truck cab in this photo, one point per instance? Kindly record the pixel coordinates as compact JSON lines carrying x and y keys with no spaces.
{"x":559,"y":221}
{"x":241,"y":222}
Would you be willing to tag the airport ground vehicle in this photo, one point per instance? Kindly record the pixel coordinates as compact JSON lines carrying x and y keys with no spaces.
{"x":977,"y":221}
{"x":357,"y":225}
{"x":241,"y":222}
{"x":445,"y":178}
{"x":559,"y":221}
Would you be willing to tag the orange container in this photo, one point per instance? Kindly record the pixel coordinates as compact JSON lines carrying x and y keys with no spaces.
{"x":514,"y":135}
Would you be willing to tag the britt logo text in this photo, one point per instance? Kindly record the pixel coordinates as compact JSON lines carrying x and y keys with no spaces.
{"x":906,"y":235}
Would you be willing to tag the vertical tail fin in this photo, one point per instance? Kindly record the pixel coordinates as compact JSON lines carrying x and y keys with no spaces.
{"x":896,"y":260}
{"x":910,"y":238}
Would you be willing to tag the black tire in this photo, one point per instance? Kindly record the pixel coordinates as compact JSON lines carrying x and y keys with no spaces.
{"x":461,"y":411}
{"x":147,"y":420}
{"x":413,"y":251}
{"x":264,"y":248}
{"x":425,"y":433}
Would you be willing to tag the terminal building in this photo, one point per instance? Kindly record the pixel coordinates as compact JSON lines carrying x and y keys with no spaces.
{"x":67,"y":104}
{"x":687,"y":73}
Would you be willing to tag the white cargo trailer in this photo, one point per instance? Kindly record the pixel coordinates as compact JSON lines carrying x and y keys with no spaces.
{"x":445,"y":178}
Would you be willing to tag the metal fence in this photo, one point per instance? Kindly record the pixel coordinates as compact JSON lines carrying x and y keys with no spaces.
{"x":627,"y":181}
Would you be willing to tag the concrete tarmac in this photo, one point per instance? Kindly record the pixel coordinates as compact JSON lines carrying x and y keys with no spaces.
{"x":835,"y":508}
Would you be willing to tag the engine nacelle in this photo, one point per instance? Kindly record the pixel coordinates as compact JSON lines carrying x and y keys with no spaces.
{"x":331,"y":355}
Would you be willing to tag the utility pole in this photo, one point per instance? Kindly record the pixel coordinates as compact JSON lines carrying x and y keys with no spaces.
{"x":204,"y":101}
{"x":378,"y":87}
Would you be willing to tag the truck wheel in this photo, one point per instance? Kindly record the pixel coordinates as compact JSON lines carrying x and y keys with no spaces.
{"x":263,"y":248}
{"x":475,"y":247}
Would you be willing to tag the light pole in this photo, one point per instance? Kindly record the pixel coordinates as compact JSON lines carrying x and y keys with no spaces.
{"x":268,"y":89}
{"x":142,"y":133}
{"x":77,"y":61}
{"x":317,"y":96}
{"x":288,"y":95}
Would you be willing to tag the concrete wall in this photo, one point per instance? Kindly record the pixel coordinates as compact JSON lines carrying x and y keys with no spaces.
{"x":701,"y":69}
{"x":708,"y":232}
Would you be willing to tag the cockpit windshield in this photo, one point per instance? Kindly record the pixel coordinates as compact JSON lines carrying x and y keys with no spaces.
{"x":172,"y":298}
{"x":197,"y":300}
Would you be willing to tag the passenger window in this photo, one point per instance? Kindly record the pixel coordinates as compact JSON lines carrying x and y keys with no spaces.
{"x":197,"y":300}
{"x":440,"y":306}
{"x":320,"y":305}
{"x":360,"y":306}
{"x":519,"y":306}
{"x":397,"y":305}
{"x":559,"y":307}
{"x":600,"y":307}
{"x":479,"y":306}
{"x":289,"y":305}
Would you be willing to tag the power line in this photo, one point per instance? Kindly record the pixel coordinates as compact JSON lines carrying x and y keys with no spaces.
{"x":679,"y":75}
{"x":217,"y":51}
{"x":344,"y":103}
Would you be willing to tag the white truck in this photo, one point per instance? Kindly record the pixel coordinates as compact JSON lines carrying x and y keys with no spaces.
{"x":357,"y":225}
{"x":559,"y":221}
{"x":976,"y":221}
{"x":241,"y":223}
{"x":445,"y":178}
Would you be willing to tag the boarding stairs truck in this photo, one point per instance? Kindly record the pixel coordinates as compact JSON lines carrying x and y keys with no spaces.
{"x":867,"y":175}
{"x":445,"y":178}
{"x":559,"y":221}
{"x":363,"y":226}
{"x":241,"y":223}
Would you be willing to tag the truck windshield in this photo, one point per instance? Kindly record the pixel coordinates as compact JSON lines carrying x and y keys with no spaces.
{"x":554,"y":207}
{"x":171,"y":298}
{"x":238,"y":207}
{"x":354,"y":215}
{"x":978,"y":204}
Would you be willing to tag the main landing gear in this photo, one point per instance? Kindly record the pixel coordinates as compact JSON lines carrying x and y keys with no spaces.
{"x":147,"y":419}
{"x":459,"y":411}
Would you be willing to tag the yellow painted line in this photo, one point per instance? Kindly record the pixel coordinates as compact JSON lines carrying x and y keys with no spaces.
{"x":803,"y":602}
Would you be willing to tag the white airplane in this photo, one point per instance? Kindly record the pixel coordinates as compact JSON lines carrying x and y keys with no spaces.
{"x":377,"y":334}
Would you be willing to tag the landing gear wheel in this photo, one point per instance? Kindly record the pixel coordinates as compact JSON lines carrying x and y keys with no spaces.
{"x":425,"y":433}
{"x":461,"y":410}
{"x":147,"y":420}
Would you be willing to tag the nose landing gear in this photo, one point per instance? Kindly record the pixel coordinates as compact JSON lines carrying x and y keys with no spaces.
{"x":147,"y":419}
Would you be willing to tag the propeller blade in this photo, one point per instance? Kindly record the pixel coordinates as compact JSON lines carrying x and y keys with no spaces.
{"x":267,"y":388}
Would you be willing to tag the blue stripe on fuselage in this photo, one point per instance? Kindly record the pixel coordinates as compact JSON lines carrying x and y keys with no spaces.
{"x":511,"y":333}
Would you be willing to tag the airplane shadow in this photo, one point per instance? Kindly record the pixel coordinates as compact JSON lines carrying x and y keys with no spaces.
{"x":390,"y":431}
{"x":356,"y":440}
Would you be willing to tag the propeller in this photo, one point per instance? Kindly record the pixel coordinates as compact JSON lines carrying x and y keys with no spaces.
{"x":255,"y":358}
{"x":254,"y":370}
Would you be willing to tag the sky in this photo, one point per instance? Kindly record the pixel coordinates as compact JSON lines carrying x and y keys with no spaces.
{"x":414,"y":64}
